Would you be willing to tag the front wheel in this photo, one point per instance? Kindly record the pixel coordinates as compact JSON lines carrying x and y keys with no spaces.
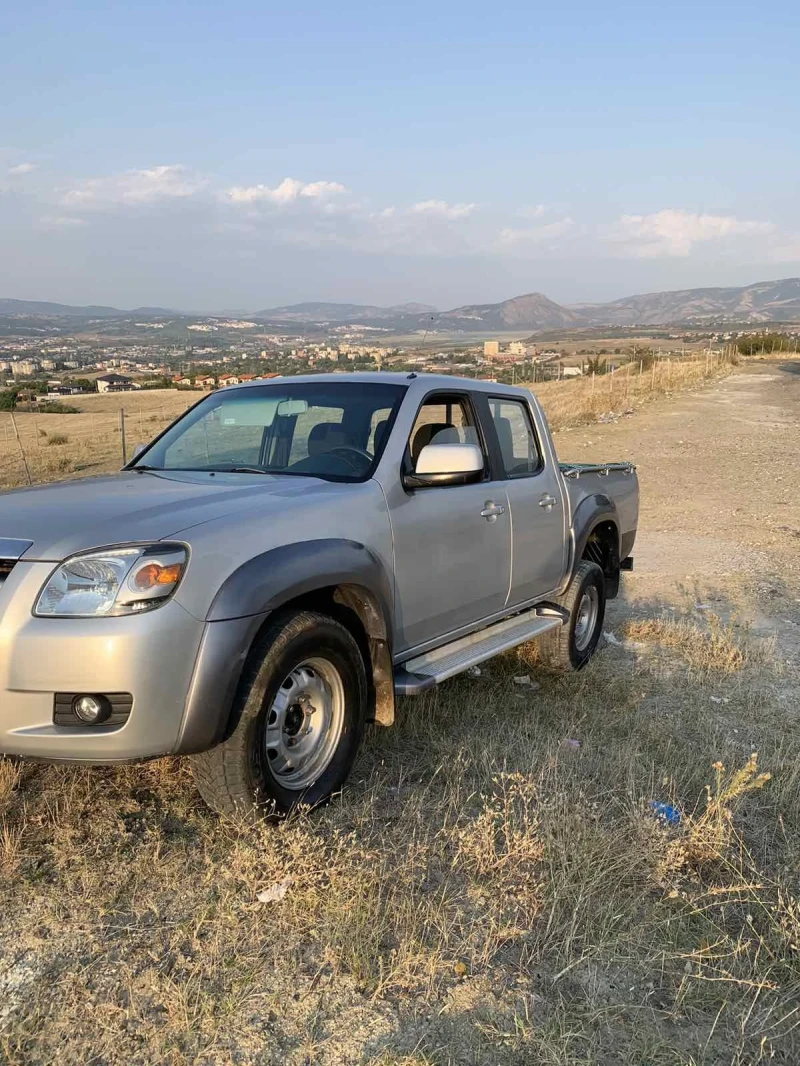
{"x":299,"y":713}
{"x":572,"y":645}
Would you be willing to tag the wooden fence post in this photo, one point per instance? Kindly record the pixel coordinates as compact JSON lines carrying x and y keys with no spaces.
{"x":21,"y":449}
{"x":122,"y":432}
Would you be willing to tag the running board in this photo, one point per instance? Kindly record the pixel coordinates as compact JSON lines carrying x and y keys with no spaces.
{"x":416,"y":675}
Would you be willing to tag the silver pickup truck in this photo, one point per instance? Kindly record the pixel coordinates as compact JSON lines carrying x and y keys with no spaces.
{"x":282,"y":561}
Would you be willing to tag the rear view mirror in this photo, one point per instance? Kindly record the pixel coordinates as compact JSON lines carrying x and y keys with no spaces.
{"x":292,"y":408}
{"x":446,"y":464}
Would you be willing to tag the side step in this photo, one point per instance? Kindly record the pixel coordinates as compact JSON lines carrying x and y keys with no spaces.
{"x":416,"y":675}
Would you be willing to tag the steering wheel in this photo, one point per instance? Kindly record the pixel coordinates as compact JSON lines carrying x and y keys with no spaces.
{"x":347,"y":451}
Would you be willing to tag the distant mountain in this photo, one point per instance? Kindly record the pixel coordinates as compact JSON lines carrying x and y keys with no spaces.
{"x":334,"y":312}
{"x":47,"y":310}
{"x":766,"y":301}
{"x":37,"y":307}
{"x":533,"y":311}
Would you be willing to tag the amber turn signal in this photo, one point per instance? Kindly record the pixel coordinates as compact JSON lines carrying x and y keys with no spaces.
{"x":154,"y":574}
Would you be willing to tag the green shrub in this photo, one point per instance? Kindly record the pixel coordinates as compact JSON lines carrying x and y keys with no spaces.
{"x":54,"y":407}
{"x":764,"y":342}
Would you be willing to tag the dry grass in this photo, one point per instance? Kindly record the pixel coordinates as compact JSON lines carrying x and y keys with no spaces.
{"x":483,"y":893}
{"x":90,"y":442}
{"x":581,"y":400}
{"x":87,"y":443}
{"x":715,"y":648}
{"x":492,"y":888}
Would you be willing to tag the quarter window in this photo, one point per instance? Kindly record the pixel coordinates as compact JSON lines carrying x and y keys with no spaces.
{"x":516,"y":436}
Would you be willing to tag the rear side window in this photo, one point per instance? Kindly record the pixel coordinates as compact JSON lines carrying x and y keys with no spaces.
{"x":519,"y":445}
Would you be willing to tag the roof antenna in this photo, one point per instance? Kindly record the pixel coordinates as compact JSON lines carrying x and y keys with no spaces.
{"x":412,"y":375}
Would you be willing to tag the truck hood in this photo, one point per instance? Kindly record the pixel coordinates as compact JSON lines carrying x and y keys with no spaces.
{"x":72,"y":516}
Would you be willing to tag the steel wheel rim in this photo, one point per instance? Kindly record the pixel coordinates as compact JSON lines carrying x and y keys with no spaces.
{"x":304,"y":723}
{"x":586,"y":617}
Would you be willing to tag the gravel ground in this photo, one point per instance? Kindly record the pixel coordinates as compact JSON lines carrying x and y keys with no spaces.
{"x":719,"y":472}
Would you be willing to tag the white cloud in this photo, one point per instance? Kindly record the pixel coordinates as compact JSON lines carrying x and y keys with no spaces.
{"x":441,"y":209}
{"x":22,"y":168}
{"x":674,"y":232}
{"x":289,"y":191}
{"x":166,"y":182}
{"x":534,"y":212}
{"x":510,"y":235}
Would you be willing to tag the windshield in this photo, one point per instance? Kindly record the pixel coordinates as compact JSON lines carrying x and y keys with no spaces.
{"x":331,"y":430}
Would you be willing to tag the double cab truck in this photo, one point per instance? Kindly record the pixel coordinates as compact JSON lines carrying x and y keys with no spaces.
{"x":283,"y":561}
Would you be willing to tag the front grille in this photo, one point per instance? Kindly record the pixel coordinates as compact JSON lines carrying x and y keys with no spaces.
{"x":10,"y":551}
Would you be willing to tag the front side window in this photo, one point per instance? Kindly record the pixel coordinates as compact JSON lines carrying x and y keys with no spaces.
{"x":442,"y":419}
{"x":328,"y":429}
{"x":516,"y":436}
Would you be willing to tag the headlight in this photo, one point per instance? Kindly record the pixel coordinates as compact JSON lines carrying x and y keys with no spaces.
{"x":113,"y":581}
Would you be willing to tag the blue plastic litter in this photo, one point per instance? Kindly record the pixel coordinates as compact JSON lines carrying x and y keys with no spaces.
{"x":665,"y":813}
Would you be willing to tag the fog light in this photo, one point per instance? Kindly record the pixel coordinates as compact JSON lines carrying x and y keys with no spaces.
{"x":91,"y":710}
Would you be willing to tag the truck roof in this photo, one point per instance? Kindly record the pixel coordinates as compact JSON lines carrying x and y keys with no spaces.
{"x":407,"y":378}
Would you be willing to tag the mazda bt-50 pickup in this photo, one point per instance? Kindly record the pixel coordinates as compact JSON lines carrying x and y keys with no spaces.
{"x":283,"y":561}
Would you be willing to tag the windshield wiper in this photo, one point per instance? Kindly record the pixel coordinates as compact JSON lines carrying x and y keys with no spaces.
{"x":241,"y":470}
{"x":201,"y":469}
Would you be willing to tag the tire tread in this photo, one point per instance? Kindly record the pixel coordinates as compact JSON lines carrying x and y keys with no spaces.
{"x":220,"y":773}
{"x":555,"y":647}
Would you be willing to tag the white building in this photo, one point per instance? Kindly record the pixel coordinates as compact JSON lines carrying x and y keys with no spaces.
{"x":25,"y":368}
{"x":114,"y":383}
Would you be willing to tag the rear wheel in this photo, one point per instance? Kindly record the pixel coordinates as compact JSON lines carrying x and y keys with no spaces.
{"x":299,"y":714}
{"x":572,"y":645}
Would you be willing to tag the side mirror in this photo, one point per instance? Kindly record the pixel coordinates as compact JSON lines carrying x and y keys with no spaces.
{"x":446,"y":464}
{"x":137,"y":450}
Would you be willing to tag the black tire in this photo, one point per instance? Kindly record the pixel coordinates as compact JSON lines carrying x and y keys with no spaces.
{"x":251,"y":770}
{"x":560,"y":649}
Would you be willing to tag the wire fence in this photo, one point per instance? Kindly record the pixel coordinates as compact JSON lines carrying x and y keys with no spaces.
{"x":37,"y":447}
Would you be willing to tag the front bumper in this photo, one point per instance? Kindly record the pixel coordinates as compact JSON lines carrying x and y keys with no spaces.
{"x":152,"y":656}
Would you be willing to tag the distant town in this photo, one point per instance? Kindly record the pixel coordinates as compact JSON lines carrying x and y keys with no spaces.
{"x":49,"y":352}
{"x":52,"y":368}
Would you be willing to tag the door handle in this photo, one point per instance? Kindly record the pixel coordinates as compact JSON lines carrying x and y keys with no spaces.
{"x":491,"y":510}
{"x":548,"y":501}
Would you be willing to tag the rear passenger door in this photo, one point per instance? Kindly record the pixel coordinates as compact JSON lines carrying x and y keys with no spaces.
{"x":538,"y":540}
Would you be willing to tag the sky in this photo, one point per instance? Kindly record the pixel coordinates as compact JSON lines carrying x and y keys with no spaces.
{"x":216,"y":156}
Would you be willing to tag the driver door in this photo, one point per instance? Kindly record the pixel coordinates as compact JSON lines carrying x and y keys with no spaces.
{"x":452,"y":563}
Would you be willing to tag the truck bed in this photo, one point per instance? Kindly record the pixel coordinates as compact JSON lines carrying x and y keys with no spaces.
{"x":616,"y":480}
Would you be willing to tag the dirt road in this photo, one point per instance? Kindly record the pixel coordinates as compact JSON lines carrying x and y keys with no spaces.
{"x":719,"y":470}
